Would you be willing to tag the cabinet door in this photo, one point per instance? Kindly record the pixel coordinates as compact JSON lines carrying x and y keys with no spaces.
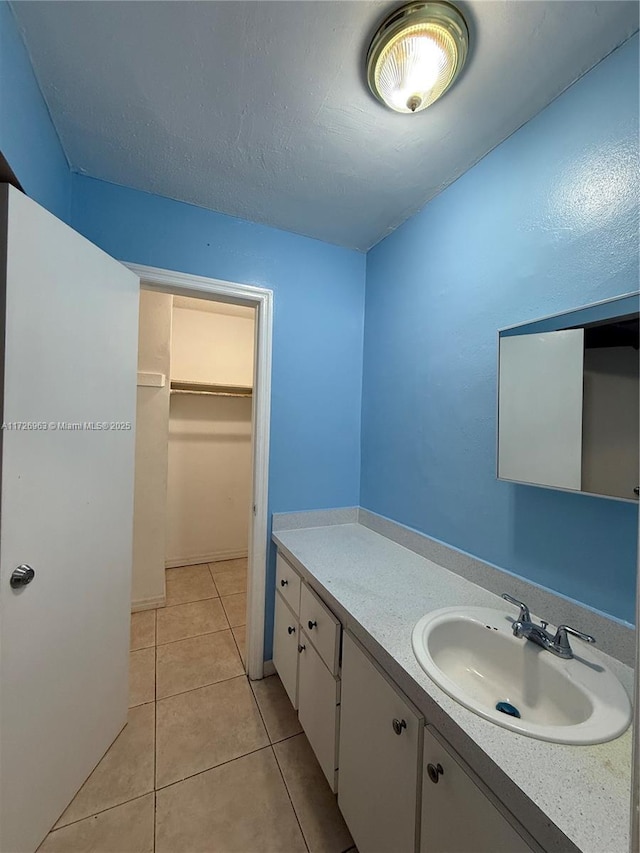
{"x":379,"y":757}
{"x":457,"y":817}
{"x":318,"y":697}
{"x":285,"y":648}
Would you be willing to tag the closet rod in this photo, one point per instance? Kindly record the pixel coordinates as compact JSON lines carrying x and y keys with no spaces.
{"x":212,"y":393}
{"x":184,"y":387}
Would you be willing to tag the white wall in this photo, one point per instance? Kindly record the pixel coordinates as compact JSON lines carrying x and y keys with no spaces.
{"x":212,"y":342}
{"x":152,"y":433}
{"x":209,"y":466}
{"x":610,"y":452}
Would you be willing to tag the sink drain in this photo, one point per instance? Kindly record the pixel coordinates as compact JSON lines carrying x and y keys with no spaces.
{"x":508,"y":708}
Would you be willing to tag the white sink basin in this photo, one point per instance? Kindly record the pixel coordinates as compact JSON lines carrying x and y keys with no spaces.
{"x":471,"y":653}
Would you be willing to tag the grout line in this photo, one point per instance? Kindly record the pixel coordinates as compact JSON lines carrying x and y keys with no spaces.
{"x":201,"y":686}
{"x":222,"y":562}
{"x":186,"y":566}
{"x":215,"y":767}
{"x":195,"y":636}
{"x":257,"y":704}
{"x":193,"y":601}
{"x":273,"y":752}
{"x":102,"y":811}
{"x":244,"y":665}
{"x":286,"y":787}
{"x":288,"y":737}
{"x":282,"y":739}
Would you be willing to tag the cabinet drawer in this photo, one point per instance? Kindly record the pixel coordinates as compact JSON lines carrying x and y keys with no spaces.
{"x":321,"y":626}
{"x":288,"y":583}
{"x":285,"y":648}
{"x":318,"y":697}
{"x":457,"y":817}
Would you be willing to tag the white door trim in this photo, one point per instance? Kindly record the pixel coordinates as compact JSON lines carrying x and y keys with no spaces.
{"x":260,"y":298}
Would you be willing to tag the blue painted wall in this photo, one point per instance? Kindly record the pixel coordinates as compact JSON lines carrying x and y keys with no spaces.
{"x":318,"y":328}
{"x":319,"y":291}
{"x":28,"y":139}
{"x":546,"y":222}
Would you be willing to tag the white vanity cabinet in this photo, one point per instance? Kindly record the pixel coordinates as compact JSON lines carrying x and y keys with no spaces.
{"x":400,"y":788}
{"x":379,"y":757}
{"x":457,"y":816}
{"x":306,"y":655}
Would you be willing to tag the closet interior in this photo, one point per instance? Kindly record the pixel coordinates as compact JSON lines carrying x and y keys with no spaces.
{"x":209,"y":446}
{"x":193,"y":453}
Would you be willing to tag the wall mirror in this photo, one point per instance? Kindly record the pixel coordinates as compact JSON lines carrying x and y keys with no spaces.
{"x":568,"y":400}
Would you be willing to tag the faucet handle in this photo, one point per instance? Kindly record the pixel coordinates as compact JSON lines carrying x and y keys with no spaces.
{"x":561,"y":640}
{"x":524,"y":615}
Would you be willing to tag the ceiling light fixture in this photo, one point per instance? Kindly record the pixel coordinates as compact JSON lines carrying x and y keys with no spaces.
{"x":416,"y":55}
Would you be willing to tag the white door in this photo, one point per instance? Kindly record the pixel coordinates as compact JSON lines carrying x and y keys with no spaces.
{"x":540,"y":408}
{"x":70,"y":328}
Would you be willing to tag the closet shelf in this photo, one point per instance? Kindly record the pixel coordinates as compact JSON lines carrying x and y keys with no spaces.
{"x":179,"y":387}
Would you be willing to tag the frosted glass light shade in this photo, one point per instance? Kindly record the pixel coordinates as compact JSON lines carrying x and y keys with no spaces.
{"x":416,"y":55}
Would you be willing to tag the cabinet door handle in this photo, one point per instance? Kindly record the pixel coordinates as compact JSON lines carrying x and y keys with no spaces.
{"x":398,"y":725}
{"x":291,"y":630}
{"x":311,"y":624}
{"x":283,"y":582}
{"x":435,"y":771}
{"x":301,"y":648}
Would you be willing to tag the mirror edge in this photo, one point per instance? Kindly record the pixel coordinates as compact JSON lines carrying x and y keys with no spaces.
{"x":630,"y":295}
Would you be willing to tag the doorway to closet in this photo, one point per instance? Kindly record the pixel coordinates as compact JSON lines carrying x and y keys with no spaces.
{"x":208,"y":468}
{"x":200,"y":505}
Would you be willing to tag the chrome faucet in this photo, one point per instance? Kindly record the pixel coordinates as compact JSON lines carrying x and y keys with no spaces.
{"x":557,"y":644}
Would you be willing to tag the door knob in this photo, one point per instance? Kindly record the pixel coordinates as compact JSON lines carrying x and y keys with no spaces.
{"x":283,"y":582}
{"x":22,"y":576}
{"x":398,"y":725}
{"x":435,"y":771}
{"x":291,"y":630}
{"x":312,"y":624}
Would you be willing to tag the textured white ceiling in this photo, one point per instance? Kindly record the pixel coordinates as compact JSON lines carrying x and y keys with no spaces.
{"x":261,"y":110}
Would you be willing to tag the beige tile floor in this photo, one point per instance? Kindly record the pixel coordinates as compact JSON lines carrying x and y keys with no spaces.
{"x":208,"y":761}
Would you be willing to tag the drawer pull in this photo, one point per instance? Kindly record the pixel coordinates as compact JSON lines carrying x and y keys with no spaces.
{"x":435,"y":771}
{"x":283,"y":582}
{"x":291,"y":630}
{"x":398,"y":725}
{"x":301,"y":648}
{"x":311,"y":624}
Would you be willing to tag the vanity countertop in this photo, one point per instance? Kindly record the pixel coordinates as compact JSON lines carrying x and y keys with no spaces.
{"x":379,"y":590}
